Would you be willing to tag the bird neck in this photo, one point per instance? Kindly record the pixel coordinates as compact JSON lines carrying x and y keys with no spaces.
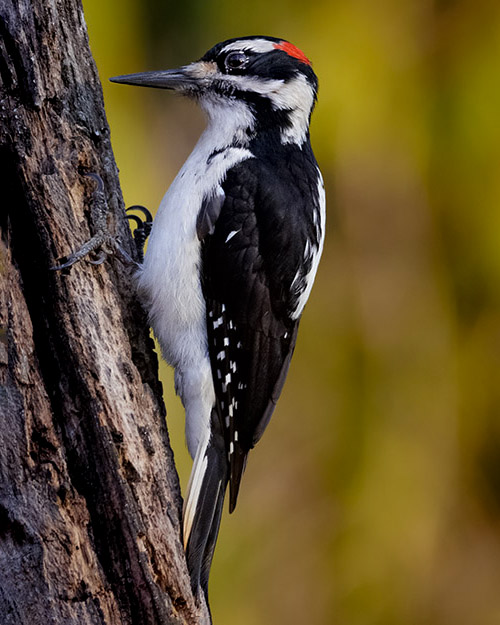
{"x":231,"y":125}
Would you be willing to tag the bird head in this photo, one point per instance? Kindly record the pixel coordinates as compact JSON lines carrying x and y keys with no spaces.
{"x":266,"y":81}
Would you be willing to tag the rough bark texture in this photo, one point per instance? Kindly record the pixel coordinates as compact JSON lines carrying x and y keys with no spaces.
{"x":89,"y":496}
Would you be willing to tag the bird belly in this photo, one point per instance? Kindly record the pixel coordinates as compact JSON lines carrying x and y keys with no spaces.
{"x":169,"y":285}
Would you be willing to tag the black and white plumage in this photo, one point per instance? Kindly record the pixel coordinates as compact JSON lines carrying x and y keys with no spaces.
{"x":231,"y":260}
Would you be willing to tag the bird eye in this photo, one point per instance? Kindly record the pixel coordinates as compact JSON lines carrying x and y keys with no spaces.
{"x":235,"y":60}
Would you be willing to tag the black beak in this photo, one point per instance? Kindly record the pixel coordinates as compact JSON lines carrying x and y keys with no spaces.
{"x":176,"y":79}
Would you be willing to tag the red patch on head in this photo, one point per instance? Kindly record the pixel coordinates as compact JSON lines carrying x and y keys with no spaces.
{"x":292,"y":50}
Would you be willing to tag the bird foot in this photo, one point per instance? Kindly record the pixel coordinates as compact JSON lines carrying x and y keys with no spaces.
{"x":103,"y":243}
{"x":142,"y":229}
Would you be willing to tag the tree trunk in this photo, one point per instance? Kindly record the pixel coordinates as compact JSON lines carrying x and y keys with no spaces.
{"x":89,"y":496}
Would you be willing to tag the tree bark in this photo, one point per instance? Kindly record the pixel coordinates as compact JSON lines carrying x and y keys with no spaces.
{"x":89,"y":496}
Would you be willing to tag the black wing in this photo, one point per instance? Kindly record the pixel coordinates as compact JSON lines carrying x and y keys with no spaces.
{"x":251,"y":261}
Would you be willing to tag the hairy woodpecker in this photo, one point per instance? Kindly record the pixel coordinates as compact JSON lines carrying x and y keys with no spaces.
{"x":231,"y":260}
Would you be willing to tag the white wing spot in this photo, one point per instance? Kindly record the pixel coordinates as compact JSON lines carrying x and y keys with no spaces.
{"x":231,"y":447}
{"x":217,"y":323}
{"x":236,"y":435}
{"x":226,"y":341}
{"x":228,"y":379}
{"x":221,"y":355}
{"x":231,"y":235}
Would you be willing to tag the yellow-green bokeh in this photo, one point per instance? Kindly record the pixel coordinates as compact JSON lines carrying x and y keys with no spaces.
{"x":374,"y":496}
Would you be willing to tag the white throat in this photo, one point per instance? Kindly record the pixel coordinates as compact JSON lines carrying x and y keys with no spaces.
{"x":230,"y":122}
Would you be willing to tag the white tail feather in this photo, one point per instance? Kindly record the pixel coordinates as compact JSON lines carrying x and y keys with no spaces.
{"x":194,"y":487}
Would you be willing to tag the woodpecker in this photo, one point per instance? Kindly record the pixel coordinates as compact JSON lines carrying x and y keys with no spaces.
{"x":231,"y":260}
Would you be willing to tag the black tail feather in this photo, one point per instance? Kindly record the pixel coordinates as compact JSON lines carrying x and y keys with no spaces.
{"x":211,"y":542}
{"x":204,"y":526}
{"x":238,"y":461}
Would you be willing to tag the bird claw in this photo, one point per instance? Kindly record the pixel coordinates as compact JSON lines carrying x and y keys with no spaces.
{"x":142,"y":229}
{"x":71,"y":260}
{"x":88,"y":247}
{"x":102,"y":240}
{"x":100,"y":258}
{"x":142,"y":209}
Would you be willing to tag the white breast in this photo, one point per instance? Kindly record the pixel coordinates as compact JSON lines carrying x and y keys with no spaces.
{"x":169,"y":280}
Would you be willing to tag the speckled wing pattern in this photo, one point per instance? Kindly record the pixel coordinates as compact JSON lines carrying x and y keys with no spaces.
{"x":255,"y":263}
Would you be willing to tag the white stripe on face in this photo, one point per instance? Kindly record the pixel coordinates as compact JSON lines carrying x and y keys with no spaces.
{"x":254,"y":45}
{"x":295,"y":95}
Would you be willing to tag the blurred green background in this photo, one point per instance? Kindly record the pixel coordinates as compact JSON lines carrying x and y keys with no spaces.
{"x":374,"y":497}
